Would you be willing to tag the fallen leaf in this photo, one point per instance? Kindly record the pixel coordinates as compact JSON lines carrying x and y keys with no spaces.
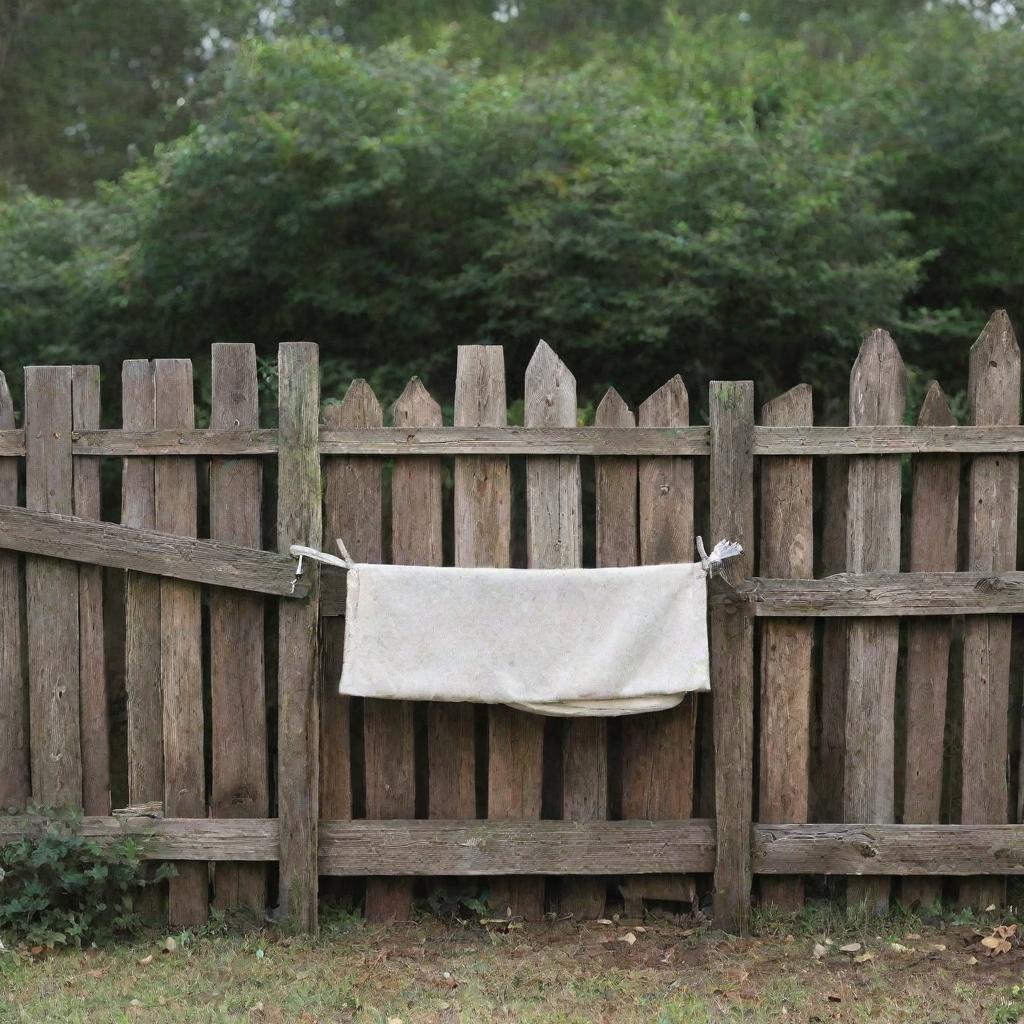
{"x":863,"y":958}
{"x":850,"y":947}
{"x":170,"y":944}
{"x":897,"y":947}
{"x":629,"y":938}
{"x":972,"y":960}
{"x":395,"y":1020}
{"x":912,"y":936}
{"x":603,"y":920}
{"x":990,"y":908}
{"x":146,"y":960}
{"x":937,"y":947}
{"x":640,"y":928}
{"x":819,"y":951}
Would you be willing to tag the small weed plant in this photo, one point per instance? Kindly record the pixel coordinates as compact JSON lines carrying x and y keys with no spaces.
{"x":60,"y":888}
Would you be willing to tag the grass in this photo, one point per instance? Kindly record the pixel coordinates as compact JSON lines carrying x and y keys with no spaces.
{"x":557,"y":972}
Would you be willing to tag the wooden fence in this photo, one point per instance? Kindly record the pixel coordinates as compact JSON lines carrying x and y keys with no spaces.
{"x":238,"y":750}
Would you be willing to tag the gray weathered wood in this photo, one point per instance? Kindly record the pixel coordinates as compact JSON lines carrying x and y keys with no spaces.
{"x":145,"y":747}
{"x":881,"y":594}
{"x":732,"y":652}
{"x":388,"y":724}
{"x":828,"y":780}
{"x":14,"y":770}
{"x":181,"y":646}
{"x":384,"y":441}
{"x":559,"y":847}
{"x":658,"y":750}
{"x":877,"y":395}
{"x":240,"y":781}
{"x":994,"y":391}
{"x":886,"y":439}
{"x":933,"y":537}
{"x":554,"y":540}
{"x":51,"y":589}
{"x":150,"y":551}
{"x":515,"y":739}
{"x":95,"y":728}
{"x":786,"y":550}
{"x":352,"y":512}
{"x":299,"y":519}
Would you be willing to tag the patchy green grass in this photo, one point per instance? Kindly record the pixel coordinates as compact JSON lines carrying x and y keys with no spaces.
{"x":557,"y":973}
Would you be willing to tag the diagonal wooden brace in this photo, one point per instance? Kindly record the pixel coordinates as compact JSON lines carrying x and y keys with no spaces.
{"x":161,"y":554}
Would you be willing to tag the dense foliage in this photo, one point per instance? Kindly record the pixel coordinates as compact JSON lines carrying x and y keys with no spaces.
{"x":58,"y":888}
{"x":732,"y":196}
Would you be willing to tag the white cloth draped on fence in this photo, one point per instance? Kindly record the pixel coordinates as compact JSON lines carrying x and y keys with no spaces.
{"x":567,"y":642}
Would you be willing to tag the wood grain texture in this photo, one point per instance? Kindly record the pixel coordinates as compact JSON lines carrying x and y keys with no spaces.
{"x":877,"y":395}
{"x":151,"y":551}
{"x":352,"y":511}
{"x":787,"y":550}
{"x":482,"y":525}
{"x":554,"y":540}
{"x":828,"y":781}
{"x":732,"y":652}
{"x":690,"y":441}
{"x":299,"y":520}
{"x":658,"y":750}
{"x":181,"y":648}
{"x":994,"y":392}
{"x":51,"y":590}
{"x":144,"y":699}
{"x":240,"y":781}
{"x":388,"y":725}
{"x":387,"y":441}
{"x":14,"y":767}
{"x":482,"y":538}
{"x":94,"y":710}
{"x":935,"y":493}
{"x":873,"y":595}
{"x":558,"y":847}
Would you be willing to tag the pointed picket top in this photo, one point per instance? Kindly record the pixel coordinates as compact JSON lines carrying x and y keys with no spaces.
{"x":359,"y":408}
{"x":480,"y":386}
{"x":612,"y":411}
{"x":793,"y":408}
{"x":669,"y":406}
{"x":550,"y":390}
{"x":994,"y":378}
{"x":6,"y":405}
{"x":878,"y":383}
{"x":415,"y":407}
{"x":935,"y":410}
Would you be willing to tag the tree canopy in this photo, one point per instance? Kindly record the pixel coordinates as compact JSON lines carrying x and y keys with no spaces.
{"x":651,"y":191}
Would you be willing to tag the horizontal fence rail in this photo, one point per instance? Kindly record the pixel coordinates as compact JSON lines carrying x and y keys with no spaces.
{"x":480,"y":848}
{"x":639,"y":441}
{"x":859,"y":595}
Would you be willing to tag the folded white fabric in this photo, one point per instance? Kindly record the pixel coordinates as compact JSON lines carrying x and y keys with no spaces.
{"x":552,"y":641}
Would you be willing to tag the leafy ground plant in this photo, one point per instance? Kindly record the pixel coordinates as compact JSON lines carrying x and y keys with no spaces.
{"x":60,"y":888}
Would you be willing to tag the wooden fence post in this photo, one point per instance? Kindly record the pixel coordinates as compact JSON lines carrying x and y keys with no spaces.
{"x":994,"y":389}
{"x":298,"y":522}
{"x":51,"y":588}
{"x":933,"y":536}
{"x":732,"y":652}
{"x":877,"y":396}
{"x":237,"y":687}
{"x":14,"y":777}
{"x":786,"y":550}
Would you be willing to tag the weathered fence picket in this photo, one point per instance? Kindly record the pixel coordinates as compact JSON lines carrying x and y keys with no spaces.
{"x":14,"y":749}
{"x":935,"y":494}
{"x":237,"y":673}
{"x":786,"y":550}
{"x":994,"y":391}
{"x":484,"y":790}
